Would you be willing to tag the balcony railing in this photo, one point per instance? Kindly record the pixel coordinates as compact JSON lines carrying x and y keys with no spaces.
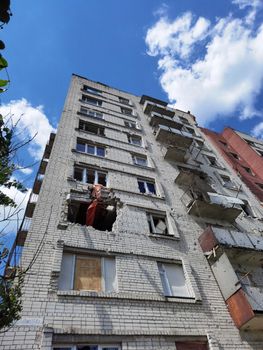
{"x":174,"y":136}
{"x":22,"y":232}
{"x":157,"y":119}
{"x":150,"y":107}
{"x":212,"y":205}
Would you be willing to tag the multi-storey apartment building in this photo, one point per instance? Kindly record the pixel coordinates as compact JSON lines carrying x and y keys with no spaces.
{"x":137,"y":235}
{"x":244,"y":153}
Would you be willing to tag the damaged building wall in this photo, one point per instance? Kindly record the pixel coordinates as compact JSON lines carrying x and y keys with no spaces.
{"x":138,"y":307}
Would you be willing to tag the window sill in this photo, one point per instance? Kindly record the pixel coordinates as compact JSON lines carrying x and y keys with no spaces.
{"x":129,"y":296}
{"x":157,"y":236}
{"x":87,"y":154}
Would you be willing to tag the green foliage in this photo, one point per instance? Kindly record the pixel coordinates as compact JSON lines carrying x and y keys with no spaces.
{"x":3,"y":62}
{"x":10,"y":298}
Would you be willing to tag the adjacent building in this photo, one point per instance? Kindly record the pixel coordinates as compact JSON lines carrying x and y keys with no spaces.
{"x":244,"y":153}
{"x":138,"y":234}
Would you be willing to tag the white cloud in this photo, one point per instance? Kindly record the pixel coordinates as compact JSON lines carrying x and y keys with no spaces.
{"x":10,"y":218}
{"x":257,"y":131}
{"x":33,"y":121}
{"x":26,"y":171}
{"x":211,"y":71}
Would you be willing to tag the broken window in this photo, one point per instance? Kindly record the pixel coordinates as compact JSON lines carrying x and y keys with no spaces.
{"x":89,"y":347}
{"x":91,"y":100}
{"x":247,"y":209}
{"x":84,"y":147}
{"x":227,"y":182}
{"x":92,"y":128}
{"x":139,"y":160}
{"x":123,"y":100}
{"x":126,"y":111}
{"x":129,"y":124}
{"x":90,"y":176}
{"x":91,"y":113}
{"x":91,"y":90}
{"x":96,"y":208}
{"x":248,"y":170}
{"x":212,"y":161}
{"x":157,"y":224}
{"x":173,"y":280}
{"x":88,"y":272}
{"x":135,"y":140}
{"x":234,"y":155}
{"x":146,"y":186}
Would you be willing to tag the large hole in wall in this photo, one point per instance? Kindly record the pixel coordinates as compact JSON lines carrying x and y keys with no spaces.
{"x":101,"y":217}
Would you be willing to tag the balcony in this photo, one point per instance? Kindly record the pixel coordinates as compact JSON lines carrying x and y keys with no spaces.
{"x":157,"y":119}
{"x":212,"y":205}
{"x":38,"y":183}
{"x":150,"y":107}
{"x":31,"y":205}
{"x":174,"y":137}
{"x":176,"y":154}
{"x":43,"y":166}
{"x":235,"y":258}
{"x":23,"y":230}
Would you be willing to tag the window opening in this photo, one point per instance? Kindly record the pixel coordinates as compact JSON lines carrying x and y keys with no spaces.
{"x":91,"y":113}
{"x":91,"y":100}
{"x":88,"y":272}
{"x":135,"y":140}
{"x":90,"y":149}
{"x":91,"y":90}
{"x":129,"y":124}
{"x":126,"y":111}
{"x":90,"y":176}
{"x":124,"y":100}
{"x":146,"y":186}
{"x":138,"y":160}
{"x":157,"y":224}
{"x":173,"y":280}
{"x":98,"y":208}
{"x":92,"y":128}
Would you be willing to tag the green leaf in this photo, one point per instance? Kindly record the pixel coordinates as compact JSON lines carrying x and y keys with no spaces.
{"x":3,"y":82}
{"x":3,"y":63}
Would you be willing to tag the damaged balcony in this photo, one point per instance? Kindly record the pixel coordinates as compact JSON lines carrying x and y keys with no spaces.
{"x":152,"y":107}
{"x":174,"y":136}
{"x":95,"y":207}
{"x":23,"y":230}
{"x":236,"y":260}
{"x":201,"y":199}
{"x":176,"y":154}
{"x":156,"y":119}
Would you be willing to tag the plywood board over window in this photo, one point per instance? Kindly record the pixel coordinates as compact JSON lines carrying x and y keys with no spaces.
{"x":87,"y":273}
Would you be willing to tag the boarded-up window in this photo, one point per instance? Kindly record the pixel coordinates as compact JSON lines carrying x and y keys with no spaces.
{"x":91,"y":273}
{"x":87,"y":273}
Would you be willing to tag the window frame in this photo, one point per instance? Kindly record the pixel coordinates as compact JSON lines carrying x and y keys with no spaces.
{"x":88,"y":99}
{"x":129,"y":124}
{"x":150,"y":220}
{"x":91,"y":145}
{"x":131,"y":137}
{"x":126,"y":111}
{"x":75,"y":347}
{"x":103,"y":269}
{"x":96,"y":175}
{"x":91,"y":90}
{"x":135,"y":157}
{"x":146,"y":182}
{"x":91,"y":113}
{"x":166,"y":284}
{"x":100,"y":128}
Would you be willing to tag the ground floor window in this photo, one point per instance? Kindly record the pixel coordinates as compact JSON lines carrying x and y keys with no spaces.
{"x":88,"y":347}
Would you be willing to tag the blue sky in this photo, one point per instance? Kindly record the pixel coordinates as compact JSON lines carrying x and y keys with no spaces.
{"x":209,"y":55}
